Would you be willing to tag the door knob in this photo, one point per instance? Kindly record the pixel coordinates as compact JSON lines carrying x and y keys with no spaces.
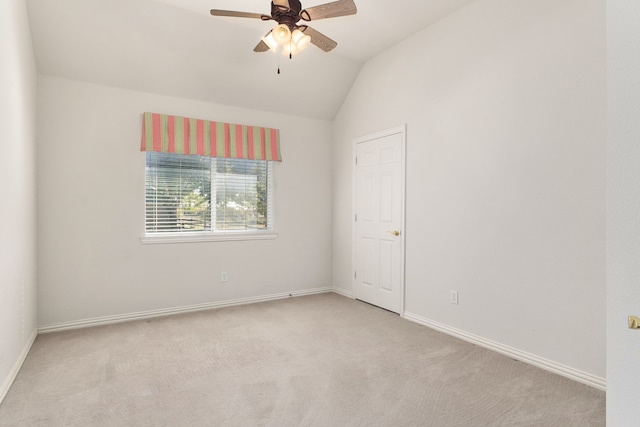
{"x":634,"y":322}
{"x":394,"y":232}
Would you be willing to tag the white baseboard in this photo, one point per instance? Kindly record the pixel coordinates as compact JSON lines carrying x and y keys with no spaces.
{"x":6,"y":385}
{"x":548,"y":365}
{"x":342,"y":292}
{"x":119,"y":318}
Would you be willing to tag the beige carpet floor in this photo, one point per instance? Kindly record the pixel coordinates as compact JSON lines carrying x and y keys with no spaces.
{"x":321,"y":360}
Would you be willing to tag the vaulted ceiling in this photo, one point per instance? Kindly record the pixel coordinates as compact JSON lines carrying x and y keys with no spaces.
{"x":175,"y":47}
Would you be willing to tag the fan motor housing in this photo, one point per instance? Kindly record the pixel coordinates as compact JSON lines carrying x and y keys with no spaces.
{"x":289,"y":17}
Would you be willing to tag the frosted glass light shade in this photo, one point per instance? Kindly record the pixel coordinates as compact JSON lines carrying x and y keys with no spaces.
{"x":289,"y":49}
{"x":300,"y":40}
{"x":281,"y":34}
{"x":270,"y":41}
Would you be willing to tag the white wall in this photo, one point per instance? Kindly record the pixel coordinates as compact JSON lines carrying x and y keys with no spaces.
{"x":18,"y":202}
{"x":505,"y":106}
{"x":91,"y":210}
{"x":623,"y":211}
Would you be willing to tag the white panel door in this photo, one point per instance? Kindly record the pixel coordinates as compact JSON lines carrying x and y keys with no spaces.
{"x":379,"y":220}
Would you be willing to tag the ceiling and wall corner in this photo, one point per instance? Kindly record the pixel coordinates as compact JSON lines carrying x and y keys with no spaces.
{"x":151,"y":45}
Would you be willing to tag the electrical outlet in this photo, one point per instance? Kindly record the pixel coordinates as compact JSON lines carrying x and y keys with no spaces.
{"x":224,"y":277}
{"x":454,"y":297}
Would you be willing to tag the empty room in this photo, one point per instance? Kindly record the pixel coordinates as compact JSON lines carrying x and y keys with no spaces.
{"x":301,"y":212}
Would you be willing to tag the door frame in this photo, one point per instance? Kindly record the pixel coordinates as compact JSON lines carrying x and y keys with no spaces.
{"x":402,"y":131}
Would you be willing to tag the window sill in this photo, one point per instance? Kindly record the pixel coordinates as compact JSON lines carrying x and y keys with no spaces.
{"x":199,"y":238}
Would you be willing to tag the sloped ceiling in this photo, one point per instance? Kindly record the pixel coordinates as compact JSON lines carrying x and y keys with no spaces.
{"x":175,"y":47}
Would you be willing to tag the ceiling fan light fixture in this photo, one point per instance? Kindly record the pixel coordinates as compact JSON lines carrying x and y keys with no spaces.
{"x":281,"y":33}
{"x":270,"y":41}
{"x":289,"y":49}
{"x":287,"y":14}
{"x":300,"y":40}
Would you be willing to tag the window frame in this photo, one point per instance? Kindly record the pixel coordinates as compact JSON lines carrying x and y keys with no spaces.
{"x":216,"y":236}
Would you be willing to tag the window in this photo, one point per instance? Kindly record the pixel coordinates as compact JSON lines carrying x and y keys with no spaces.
{"x":201,"y":195}
{"x":207,"y":180}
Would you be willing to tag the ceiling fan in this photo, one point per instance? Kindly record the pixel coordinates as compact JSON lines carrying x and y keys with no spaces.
{"x":288,"y":34}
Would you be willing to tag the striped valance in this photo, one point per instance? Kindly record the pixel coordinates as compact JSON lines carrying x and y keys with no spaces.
{"x":181,"y":135}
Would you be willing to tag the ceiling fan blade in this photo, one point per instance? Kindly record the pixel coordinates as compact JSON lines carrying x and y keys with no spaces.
{"x":329,"y":10}
{"x":234,"y":14}
{"x":319,"y":39}
{"x":283,"y":5}
{"x":262,"y":46}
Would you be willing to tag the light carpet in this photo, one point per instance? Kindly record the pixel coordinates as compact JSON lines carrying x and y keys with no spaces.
{"x":321,"y":360}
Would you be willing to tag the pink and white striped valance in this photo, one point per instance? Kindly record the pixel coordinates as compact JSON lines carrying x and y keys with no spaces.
{"x":181,"y":135}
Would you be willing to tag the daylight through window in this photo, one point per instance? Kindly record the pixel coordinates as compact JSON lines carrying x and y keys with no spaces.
{"x":200,"y":194}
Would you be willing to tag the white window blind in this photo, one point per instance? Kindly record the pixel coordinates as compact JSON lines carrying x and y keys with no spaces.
{"x":206,"y":195}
